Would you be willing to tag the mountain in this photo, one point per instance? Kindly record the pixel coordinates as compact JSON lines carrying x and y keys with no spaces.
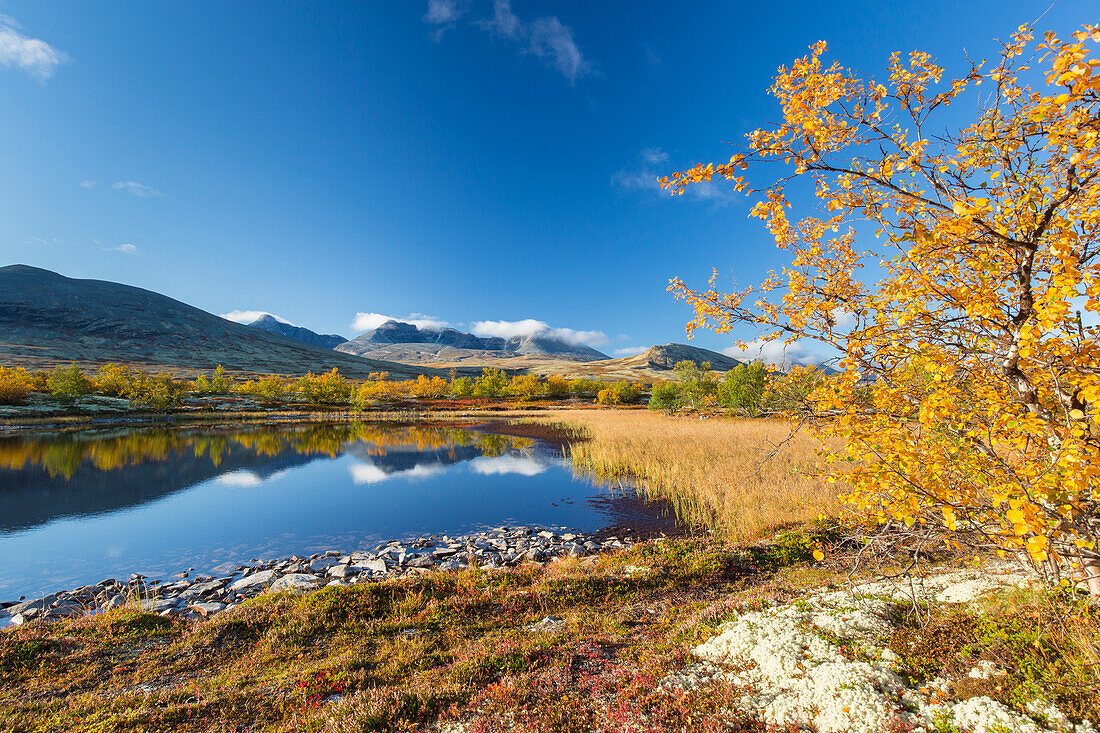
{"x":46,"y":318}
{"x":666,"y":357}
{"x":653,"y":364}
{"x":404,"y":342}
{"x":271,"y":324}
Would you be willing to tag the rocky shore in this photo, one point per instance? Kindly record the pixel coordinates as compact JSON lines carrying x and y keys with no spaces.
{"x":202,"y":596}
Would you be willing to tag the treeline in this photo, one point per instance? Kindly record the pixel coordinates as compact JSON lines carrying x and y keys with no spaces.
{"x":161,"y":392}
{"x":747,"y":389}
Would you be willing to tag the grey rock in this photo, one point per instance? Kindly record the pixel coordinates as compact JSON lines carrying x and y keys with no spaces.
{"x":548,"y":625}
{"x":261,"y":579}
{"x":343,"y":571}
{"x":206,"y":609}
{"x":296,"y":583}
{"x":374,"y":566}
{"x":202,"y":589}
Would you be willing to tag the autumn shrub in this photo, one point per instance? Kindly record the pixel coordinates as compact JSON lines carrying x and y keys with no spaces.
{"x":665,"y":396}
{"x":461,"y":387}
{"x":526,"y":387}
{"x":40,"y":380}
{"x":217,"y":383}
{"x":619,"y":393}
{"x":586,"y":386}
{"x":158,"y":392}
{"x":15,"y":386}
{"x":491,"y":383}
{"x":69,"y":384}
{"x":271,"y":388}
{"x":429,"y":387}
{"x":330,"y":388}
{"x":967,"y":407}
{"x":698,"y":384}
{"x":378,"y":388}
{"x":745,"y":388}
{"x":113,"y":380}
{"x":557,"y":387}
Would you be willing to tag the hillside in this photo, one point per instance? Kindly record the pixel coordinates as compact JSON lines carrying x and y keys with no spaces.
{"x":404,"y":342}
{"x":46,"y":318}
{"x":274,"y":325}
{"x":666,"y":357}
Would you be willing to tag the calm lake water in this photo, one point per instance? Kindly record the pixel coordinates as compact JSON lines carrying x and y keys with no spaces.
{"x":80,"y":507}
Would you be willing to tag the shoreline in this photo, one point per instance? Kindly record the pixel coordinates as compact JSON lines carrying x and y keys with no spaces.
{"x":202,"y":596}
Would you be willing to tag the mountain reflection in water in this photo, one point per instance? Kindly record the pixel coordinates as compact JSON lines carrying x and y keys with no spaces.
{"x":78,"y":507}
{"x":74,"y":474}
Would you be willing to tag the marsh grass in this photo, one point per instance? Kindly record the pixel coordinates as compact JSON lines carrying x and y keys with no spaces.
{"x":742,"y":477}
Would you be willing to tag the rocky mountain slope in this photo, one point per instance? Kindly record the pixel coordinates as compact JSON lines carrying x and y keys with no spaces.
{"x":667,"y":356}
{"x":274,"y":325}
{"x":46,"y":319}
{"x":404,"y":342}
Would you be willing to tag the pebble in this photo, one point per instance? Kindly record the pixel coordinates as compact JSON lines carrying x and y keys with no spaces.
{"x":204,"y":596}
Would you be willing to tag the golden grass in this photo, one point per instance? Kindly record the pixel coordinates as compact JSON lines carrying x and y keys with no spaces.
{"x":723,"y":473}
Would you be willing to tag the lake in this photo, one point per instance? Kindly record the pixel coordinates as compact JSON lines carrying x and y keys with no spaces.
{"x":76,"y":508}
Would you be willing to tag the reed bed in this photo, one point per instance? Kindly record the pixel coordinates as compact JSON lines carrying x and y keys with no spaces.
{"x":740,"y":477}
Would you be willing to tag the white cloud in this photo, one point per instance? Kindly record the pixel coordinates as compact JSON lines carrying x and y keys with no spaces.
{"x":547,"y":38}
{"x":529,"y":327}
{"x":444,"y":14}
{"x":366,"y":473}
{"x":777,"y":354}
{"x":240,"y":479}
{"x":653,"y":156}
{"x":89,"y":184}
{"x":501,"y":465}
{"x":246,"y":317}
{"x":36,"y":57}
{"x":370,"y":321}
{"x":137,"y":189}
{"x":126,"y":249}
{"x":653,"y":164}
{"x":630,"y":350}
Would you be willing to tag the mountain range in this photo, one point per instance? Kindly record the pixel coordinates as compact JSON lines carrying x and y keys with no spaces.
{"x":409,"y":344}
{"x":48,"y":319}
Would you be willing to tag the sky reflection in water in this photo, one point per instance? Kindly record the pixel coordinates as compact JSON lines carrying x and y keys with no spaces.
{"x":77,"y":509}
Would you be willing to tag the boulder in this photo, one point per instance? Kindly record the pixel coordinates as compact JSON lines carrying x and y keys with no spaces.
{"x":261,"y":579}
{"x":296,"y":583}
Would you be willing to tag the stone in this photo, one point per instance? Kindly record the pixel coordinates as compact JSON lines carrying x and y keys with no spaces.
{"x":117,"y":600}
{"x":202,"y":589}
{"x":296,"y":583}
{"x":322,"y":564}
{"x":343,"y":571}
{"x":166,"y":604}
{"x":420,"y":561}
{"x":261,"y":579}
{"x":548,"y":625}
{"x":206,"y":610}
{"x":374,"y":566}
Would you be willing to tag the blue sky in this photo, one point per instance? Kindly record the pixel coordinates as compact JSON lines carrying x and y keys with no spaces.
{"x":477,"y":162}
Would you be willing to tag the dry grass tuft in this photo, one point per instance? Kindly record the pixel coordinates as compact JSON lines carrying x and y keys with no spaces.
{"x":736,"y":476}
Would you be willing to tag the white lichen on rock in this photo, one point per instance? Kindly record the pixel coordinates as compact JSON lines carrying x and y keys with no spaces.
{"x":823,"y":661}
